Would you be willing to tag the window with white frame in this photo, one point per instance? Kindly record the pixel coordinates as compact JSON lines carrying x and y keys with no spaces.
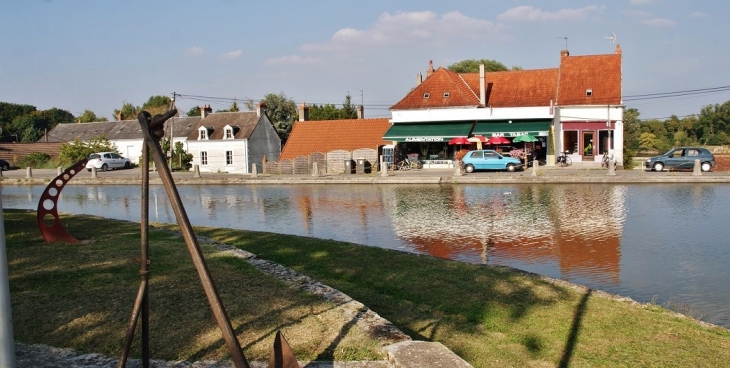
{"x":203,"y":157}
{"x":202,"y":134}
{"x":229,"y":158}
{"x":228,"y":133}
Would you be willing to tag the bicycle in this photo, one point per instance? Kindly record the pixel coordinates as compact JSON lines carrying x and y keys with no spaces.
{"x":564,"y":160}
{"x":606,"y":160}
{"x":407,"y":164}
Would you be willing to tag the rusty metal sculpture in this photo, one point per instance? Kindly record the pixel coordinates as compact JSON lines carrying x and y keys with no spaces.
{"x":48,"y":220}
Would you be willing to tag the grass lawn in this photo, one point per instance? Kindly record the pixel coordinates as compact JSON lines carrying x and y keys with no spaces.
{"x":80,"y":296}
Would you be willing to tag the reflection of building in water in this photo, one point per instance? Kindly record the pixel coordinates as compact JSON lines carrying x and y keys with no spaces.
{"x":576,"y":226}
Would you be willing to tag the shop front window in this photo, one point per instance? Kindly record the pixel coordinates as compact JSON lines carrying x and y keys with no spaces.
{"x":570,"y":141}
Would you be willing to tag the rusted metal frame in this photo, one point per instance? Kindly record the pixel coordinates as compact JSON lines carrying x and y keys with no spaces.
{"x":141,"y":303}
{"x":55,"y":232}
{"x":155,"y":126}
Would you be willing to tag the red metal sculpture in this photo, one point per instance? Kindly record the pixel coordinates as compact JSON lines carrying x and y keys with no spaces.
{"x":48,"y":221}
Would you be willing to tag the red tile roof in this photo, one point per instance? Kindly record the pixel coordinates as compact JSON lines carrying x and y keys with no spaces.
{"x":565,"y":85}
{"x":323,"y":136}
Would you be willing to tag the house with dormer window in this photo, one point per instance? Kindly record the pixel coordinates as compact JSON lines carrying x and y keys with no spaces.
{"x":576,"y":107}
{"x":233,"y":141}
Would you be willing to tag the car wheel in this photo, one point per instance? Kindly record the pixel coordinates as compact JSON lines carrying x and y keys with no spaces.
{"x":5,"y":167}
{"x":706,"y":166}
{"x":658,"y":166}
{"x":469,"y":168}
{"x":511,"y":168}
{"x":104,"y":167}
{"x":89,"y":170}
{"x":127,"y":165}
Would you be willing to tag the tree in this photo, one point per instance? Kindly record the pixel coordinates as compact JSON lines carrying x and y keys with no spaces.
{"x":157,"y":105}
{"x":75,"y":151}
{"x":348,"y":111}
{"x":194,"y":111}
{"x":330,"y":112}
{"x":281,"y":110}
{"x":128,"y":112}
{"x":647,"y":142}
{"x":472,"y":66}
{"x":632,"y":129}
{"x":89,"y":116}
{"x":8,"y":113}
{"x":232,"y":108}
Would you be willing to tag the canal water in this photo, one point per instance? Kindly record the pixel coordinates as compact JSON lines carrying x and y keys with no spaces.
{"x":661,"y":242}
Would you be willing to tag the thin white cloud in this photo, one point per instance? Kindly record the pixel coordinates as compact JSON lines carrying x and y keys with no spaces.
{"x":194,"y":51}
{"x":642,"y":2}
{"x":532,"y":14}
{"x":393,"y":30}
{"x":294,"y":60}
{"x":232,"y":55}
{"x":699,"y":15}
{"x":659,"y":22}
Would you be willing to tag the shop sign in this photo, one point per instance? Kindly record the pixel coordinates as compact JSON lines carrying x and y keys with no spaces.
{"x":424,"y":139}
{"x":517,"y":134}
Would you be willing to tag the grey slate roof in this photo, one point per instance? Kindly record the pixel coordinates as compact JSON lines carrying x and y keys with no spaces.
{"x":112,"y":130}
{"x":243,"y":124}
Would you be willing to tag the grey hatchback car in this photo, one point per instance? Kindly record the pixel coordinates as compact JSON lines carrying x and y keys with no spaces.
{"x":682,"y":158}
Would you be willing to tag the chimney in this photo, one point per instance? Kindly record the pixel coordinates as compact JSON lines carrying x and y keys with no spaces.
{"x":261,"y":109}
{"x":430,"y":69}
{"x":419,"y":79}
{"x":360,"y":112}
{"x":618,"y":49}
{"x":119,"y":115}
{"x":205,"y":110}
{"x":564,"y":53}
{"x":482,"y":86}
{"x":303,"y":112}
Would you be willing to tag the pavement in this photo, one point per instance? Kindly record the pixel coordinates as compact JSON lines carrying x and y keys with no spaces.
{"x":586,"y":173}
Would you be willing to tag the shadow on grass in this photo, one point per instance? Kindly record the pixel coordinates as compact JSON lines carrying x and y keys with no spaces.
{"x":570,"y":344}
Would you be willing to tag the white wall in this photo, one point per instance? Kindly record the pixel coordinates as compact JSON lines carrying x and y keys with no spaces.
{"x":471,"y":113}
{"x":216,"y":150}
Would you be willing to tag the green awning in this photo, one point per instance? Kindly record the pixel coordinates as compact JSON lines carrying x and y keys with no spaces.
{"x":427,"y":132}
{"x":516,"y":128}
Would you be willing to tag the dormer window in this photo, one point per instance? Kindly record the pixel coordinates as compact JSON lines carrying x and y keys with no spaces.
{"x":447,"y":94}
{"x":426,"y":95}
{"x":589,"y":92}
{"x":228,"y":133}
{"x":202,"y":134}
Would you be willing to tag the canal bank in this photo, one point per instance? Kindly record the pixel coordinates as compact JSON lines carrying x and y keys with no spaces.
{"x":547,"y":175}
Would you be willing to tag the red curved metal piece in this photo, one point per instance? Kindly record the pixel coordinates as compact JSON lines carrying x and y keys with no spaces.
{"x":48,"y":207}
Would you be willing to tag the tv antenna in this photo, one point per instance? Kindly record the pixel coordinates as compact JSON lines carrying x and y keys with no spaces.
{"x":566,"y":41}
{"x":611,"y":38}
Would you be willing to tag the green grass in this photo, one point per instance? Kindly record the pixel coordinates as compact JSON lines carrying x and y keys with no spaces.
{"x":80,"y":296}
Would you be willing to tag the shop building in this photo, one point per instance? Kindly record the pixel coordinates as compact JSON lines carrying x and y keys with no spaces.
{"x":576,"y":107}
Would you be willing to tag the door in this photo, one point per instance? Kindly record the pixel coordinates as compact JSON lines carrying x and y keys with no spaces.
{"x":587,"y":149}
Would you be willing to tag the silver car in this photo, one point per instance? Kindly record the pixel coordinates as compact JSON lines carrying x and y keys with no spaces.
{"x":107,"y":161}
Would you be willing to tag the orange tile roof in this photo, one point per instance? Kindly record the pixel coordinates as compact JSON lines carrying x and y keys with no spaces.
{"x":323,"y":136}
{"x":441,"y":82}
{"x":565,"y":85}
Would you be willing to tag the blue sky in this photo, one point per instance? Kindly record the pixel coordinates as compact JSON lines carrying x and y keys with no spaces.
{"x":98,"y":54}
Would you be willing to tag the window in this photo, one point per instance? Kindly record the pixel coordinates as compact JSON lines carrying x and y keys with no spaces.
{"x":477,"y":154}
{"x":204,"y":158}
{"x":229,"y":158}
{"x":447,"y":94}
{"x":426,"y":95}
{"x":229,"y":133}
{"x":589,"y":92}
{"x":202,"y":134}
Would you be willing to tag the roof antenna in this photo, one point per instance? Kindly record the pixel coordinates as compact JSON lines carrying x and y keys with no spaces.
{"x":611,"y":38}
{"x":566,"y":41}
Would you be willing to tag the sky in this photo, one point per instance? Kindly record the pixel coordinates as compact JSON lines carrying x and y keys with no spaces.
{"x":97,"y":55}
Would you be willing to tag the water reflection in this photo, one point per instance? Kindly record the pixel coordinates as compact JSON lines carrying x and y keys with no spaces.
{"x":639,"y":241}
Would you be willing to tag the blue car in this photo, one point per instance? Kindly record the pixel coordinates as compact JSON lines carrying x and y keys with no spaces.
{"x":489,"y":160}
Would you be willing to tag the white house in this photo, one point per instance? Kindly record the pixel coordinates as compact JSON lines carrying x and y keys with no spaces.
{"x":233,"y":141}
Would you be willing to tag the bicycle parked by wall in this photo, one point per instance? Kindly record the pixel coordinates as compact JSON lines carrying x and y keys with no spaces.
{"x":564,"y":160}
{"x":407,"y":164}
{"x":606,"y":160}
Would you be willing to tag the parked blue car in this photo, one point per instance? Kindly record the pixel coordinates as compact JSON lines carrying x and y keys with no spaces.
{"x":489,"y":160}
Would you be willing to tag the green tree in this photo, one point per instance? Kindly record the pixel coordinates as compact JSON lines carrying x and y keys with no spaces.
{"x":348,"y":111}
{"x":331,"y":112}
{"x":10,"y":112}
{"x":194,"y":111}
{"x":75,"y":151}
{"x":181,"y":158}
{"x":89,"y":116}
{"x":35,"y":160}
{"x":281,"y":110}
{"x":472,"y":66}
{"x":712,"y":122}
{"x":157,"y":105}
{"x":31,"y":127}
{"x":647,"y":142}
{"x":232,"y":108}
{"x":128,"y":112}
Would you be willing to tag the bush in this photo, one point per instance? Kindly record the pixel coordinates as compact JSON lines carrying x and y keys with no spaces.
{"x":35,"y":160}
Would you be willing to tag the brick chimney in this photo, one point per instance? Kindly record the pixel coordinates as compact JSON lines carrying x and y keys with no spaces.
{"x":564,"y":53}
{"x":430,"y":69}
{"x":618,"y":49}
{"x":119,"y":115}
{"x":303,"y":112}
{"x":361,"y":112}
{"x":482,"y":85}
{"x":419,"y":79}
{"x":261,"y":109}
{"x":205,"y":110}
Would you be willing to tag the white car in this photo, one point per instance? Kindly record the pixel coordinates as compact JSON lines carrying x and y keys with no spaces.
{"x":107,"y":161}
